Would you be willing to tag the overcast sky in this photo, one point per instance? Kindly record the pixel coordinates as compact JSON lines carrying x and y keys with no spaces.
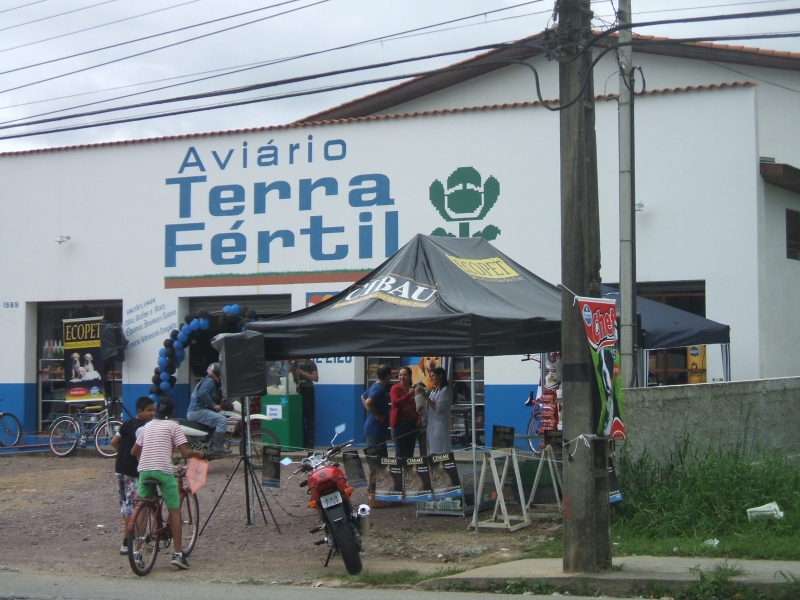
{"x":36,"y":31}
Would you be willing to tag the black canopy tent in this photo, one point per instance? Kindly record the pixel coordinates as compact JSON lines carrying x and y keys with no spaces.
{"x":436,"y":296}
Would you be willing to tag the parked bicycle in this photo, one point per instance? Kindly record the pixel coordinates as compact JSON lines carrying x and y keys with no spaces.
{"x":70,"y":431}
{"x":149,"y":532}
{"x":534,"y":432}
{"x":10,"y":429}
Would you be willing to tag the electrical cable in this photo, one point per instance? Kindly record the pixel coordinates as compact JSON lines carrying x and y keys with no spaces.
{"x":58,"y":15}
{"x":5,"y":10}
{"x":55,"y":37}
{"x":155,"y":35}
{"x":157,"y":49}
{"x":778,"y":85}
{"x":274,"y":61}
{"x":253,"y":87}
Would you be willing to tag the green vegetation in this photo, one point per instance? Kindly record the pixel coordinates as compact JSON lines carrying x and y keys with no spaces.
{"x":702,"y":493}
{"x":402,"y":577}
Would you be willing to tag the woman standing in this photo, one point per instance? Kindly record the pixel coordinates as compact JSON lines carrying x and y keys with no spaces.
{"x":439,"y":401}
{"x":403,"y":415}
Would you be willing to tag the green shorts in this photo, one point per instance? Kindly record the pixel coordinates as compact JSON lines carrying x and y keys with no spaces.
{"x":167,"y":484}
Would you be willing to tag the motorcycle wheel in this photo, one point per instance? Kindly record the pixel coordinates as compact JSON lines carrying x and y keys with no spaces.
{"x":344,"y":536}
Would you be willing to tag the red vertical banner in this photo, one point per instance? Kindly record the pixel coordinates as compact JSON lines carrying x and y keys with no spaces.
{"x":600,"y":321}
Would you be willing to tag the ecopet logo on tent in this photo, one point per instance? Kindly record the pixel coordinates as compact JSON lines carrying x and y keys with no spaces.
{"x":466,"y":198}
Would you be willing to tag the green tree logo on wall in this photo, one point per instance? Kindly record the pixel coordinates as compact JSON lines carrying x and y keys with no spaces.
{"x":467,"y":198}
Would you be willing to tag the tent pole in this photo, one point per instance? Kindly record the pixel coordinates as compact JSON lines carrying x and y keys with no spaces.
{"x":475,"y":500}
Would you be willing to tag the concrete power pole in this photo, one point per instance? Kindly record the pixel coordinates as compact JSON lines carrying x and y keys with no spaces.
{"x":627,"y":209}
{"x":587,"y":538}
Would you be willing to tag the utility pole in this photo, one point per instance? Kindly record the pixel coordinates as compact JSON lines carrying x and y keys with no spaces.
{"x":587,"y":537}
{"x":627,"y":208}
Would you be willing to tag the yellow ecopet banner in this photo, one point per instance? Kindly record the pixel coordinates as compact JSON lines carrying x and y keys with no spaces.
{"x":83,"y":363}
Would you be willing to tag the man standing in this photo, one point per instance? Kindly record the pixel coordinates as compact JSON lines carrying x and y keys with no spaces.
{"x":376,"y":401}
{"x":305,"y":375}
{"x":205,"y":405}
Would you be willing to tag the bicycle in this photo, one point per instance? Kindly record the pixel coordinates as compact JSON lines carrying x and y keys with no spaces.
{"x":149,"y":532}
{"x":534,"y":432}
{"x":10,"y":429}
{"x":70,"y":431}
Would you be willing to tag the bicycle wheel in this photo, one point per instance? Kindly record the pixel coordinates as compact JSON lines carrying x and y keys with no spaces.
{"x":534,"y":436}
{"x":10,"y":430}
{"x":258,"y":439}
{"x":142,"y":539}
{"x":64,"y":436}
{"x":190,"y":519}
{"x":105,"y":433}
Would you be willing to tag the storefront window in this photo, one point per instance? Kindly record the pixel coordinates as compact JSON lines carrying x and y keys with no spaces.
{"x":51,"y":372}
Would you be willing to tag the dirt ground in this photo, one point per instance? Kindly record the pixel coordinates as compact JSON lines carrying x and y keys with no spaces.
{"x":62,"y":515}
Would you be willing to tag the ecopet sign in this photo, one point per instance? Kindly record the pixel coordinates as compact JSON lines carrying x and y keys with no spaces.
{"x":287,"y":206}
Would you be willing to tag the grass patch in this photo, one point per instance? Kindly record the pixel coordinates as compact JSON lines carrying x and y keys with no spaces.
{"x":401,"y":577}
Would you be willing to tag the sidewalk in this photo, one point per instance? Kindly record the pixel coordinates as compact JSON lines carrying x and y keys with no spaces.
{"x":634,"y":572}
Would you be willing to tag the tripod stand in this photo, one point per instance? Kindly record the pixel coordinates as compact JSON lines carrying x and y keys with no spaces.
{"x":250,"y":478}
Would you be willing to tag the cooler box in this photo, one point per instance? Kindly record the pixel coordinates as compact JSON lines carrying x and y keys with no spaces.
{"x":287,"y":419}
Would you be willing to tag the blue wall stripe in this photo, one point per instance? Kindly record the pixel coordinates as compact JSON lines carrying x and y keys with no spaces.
{"x":505,"y":405}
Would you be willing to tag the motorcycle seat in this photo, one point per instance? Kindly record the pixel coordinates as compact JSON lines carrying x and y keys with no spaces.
{"x":195,"y":425}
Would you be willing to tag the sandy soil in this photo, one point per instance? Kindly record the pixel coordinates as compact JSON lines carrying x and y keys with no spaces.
{"x":62,"y":515}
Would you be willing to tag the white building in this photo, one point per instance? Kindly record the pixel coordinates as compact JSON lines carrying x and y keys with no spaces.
{"x":272,"y":217}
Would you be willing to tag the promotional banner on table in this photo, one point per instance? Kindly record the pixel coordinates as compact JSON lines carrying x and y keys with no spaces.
{"x":83,"y":362}
{"x":600,"y":321}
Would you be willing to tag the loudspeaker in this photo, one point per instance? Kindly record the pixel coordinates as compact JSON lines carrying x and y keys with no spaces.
{"x":241,"y":359}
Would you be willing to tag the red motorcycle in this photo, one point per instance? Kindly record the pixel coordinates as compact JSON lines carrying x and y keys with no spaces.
{"x":330,"y":495}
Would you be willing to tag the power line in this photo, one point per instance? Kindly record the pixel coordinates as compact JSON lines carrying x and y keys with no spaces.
{"x":252,"y":66}
{"x":58,"y":15}
{"x":55,"y":37}
{"x":345,"y":86}
{"x":22,"y":6}
{"x":162,"y":47}
{"x":253,"y":87}
{"x":148,"y":37}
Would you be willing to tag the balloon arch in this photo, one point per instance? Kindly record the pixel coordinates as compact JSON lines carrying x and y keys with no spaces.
{"x":231,"y":319}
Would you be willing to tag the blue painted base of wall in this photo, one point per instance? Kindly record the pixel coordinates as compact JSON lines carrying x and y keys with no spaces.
{"x":132,"y":391}
{"x":505,"y":405}
{"x":336,"y":404}
{"x":20,"y":400}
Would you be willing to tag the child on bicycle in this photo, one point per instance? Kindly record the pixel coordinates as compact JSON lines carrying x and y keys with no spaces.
{"x":127,"y":466}
{"x":153,"y":448}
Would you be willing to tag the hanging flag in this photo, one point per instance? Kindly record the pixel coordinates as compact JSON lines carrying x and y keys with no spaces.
{"x":600,"y":321}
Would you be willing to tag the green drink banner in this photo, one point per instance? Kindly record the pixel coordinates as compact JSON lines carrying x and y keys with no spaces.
{"x":600,"y":321}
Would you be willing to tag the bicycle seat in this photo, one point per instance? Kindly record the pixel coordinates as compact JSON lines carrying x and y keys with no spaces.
{"x":94,"y":407}
{"x":150,"y":482}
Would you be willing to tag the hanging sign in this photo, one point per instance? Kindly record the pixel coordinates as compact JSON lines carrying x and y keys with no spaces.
{"x":600,"y":321}
{"x":83,"y":364}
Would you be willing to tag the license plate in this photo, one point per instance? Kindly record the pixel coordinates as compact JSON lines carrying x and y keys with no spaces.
{"x":331,"y":500}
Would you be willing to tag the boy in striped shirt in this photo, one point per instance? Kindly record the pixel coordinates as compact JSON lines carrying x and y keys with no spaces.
{"x":154,"y":448}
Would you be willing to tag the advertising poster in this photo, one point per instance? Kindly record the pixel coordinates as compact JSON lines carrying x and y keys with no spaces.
{"x":445,"y":482}
{"x":614,"y":495}
{"x":421,"y":368}
{"x":417,"y":480}
{"x":389,"y":480}
{"x":270,"y":466}
{"x":502,"y":437}
{"x":83,"y":364}
{"x":353,"y":469}
{"x":600,"y":321}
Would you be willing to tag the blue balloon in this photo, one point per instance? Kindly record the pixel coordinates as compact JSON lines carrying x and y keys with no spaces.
{"x":204,"y":323}
{"x":226,"y":309}
{"x":177,"y":345}
{"x":195,"y":325}
{"x":171,"y":392}
{"x":235,"y":309}
{"x":165,"y":385}
{"x":179,"y":356}
{"x":164,"y":376}
{"x":153,"y":397}
{"x":162,"y":361}
{"x":186,"y":329}
{"x":162,"y":352}
{"x":182,"y":338}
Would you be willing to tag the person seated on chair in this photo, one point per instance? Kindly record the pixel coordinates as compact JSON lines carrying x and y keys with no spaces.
{"x":205,"y":405}
{"x":153,"y":448}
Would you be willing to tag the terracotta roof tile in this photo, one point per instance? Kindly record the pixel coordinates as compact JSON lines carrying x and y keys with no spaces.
{"x":390,"y":117}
